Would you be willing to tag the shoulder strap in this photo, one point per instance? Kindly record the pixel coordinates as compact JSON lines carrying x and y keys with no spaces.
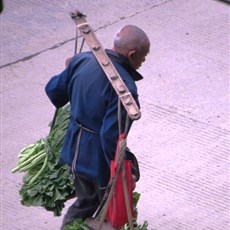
{"x":119,"y":120}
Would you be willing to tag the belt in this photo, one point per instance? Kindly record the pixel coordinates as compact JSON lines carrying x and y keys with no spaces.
{"x":78,"y":144}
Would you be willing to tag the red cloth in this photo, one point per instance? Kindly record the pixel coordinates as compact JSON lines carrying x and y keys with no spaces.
{"x":117,"y":213}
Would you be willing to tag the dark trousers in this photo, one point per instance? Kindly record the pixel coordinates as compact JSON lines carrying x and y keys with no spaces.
{"x":89,"y":196}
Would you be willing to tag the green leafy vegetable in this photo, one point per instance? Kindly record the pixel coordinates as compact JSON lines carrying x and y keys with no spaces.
{"x":46,"y":183}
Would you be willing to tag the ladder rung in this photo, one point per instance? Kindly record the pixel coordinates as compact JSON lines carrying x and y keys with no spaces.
{"x":105,"y":62}
{"x":96,"y":48}
{"x":121,"y":89}
{"x":114,"y":78}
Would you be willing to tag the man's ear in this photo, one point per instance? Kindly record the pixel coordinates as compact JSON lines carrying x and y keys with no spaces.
{"x":131,"y":53}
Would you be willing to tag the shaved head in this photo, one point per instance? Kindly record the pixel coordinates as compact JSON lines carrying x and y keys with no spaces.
{"x":130,"y":37}
{"x":132,"y":42}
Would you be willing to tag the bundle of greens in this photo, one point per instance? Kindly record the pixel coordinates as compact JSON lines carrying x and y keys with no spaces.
{"x":47,"y":182}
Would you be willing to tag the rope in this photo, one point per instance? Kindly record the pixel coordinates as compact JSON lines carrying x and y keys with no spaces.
{"x":119,"y":119}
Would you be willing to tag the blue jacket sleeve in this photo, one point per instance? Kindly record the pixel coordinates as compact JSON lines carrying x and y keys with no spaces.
{"x":57,"y":89}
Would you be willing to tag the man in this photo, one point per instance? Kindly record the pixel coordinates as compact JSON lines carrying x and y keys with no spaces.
{"x":91,"y":138}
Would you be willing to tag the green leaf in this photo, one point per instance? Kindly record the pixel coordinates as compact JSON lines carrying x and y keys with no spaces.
{"x":78,"y":224}
{"x":58,"y":195}
{"x":136,"y":197}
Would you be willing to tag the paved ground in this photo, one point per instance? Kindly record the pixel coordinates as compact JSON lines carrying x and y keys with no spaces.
{"x":182,"y":139}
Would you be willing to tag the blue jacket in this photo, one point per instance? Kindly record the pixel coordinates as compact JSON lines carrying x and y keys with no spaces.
{"x":91,"y":138}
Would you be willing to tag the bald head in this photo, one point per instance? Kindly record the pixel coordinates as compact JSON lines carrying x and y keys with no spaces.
{"x":130,"y":37}
{"x":131,"y":41}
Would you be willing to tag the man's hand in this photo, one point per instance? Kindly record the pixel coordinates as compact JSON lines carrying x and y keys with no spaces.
{"x":133,"y":182}
{"x":68,"y":60}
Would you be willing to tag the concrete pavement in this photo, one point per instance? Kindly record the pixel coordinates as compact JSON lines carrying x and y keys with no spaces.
{"x":182,"y":139}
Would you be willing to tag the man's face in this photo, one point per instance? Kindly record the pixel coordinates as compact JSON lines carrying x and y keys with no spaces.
{"x":137,"y":58}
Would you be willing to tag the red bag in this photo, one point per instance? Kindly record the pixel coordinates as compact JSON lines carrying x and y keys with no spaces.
{"x":117,"y":212}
